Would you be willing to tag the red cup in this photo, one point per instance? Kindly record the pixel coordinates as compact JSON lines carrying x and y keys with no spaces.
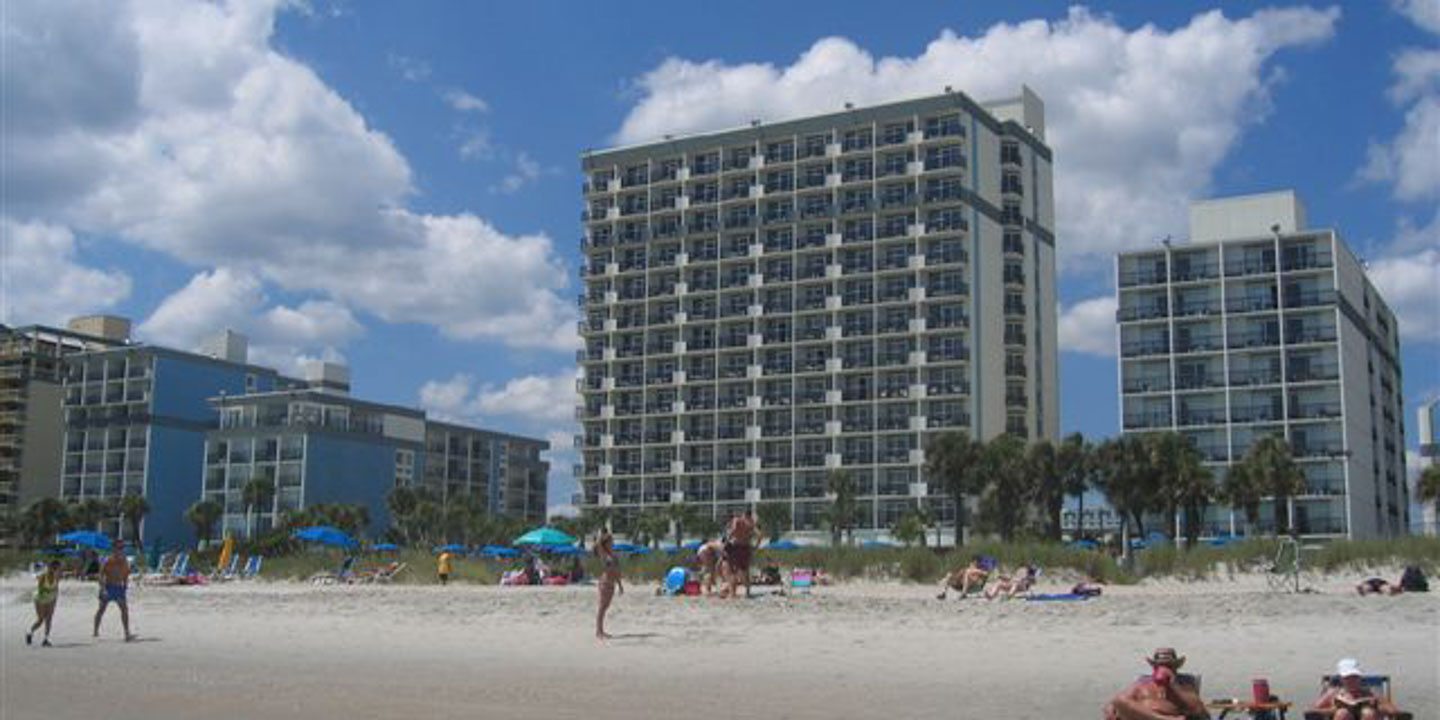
{"x":1260,"y":688}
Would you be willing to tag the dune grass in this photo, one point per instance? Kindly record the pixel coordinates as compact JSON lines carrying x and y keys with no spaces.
{"x":916,"y":564}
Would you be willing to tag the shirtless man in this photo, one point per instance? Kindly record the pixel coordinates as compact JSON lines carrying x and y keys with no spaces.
{"x":965,"y":579}
{"x":114,"y":581}
{"x":709,"y":555}
{"x":738,"y":550}
{"x":1352,"y":700}
{"x":1163,"y":695}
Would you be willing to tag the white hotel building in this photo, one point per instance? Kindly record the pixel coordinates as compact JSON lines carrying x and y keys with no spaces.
{"x":766,"y":305}
{"x":1259,"y":325}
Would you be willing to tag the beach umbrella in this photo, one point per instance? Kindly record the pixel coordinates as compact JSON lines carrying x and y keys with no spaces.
{"x":876,"y":544}
{"x":629,"y":549}
{"x":1084,"y":544}
{"x":783,"y":545}
{"x":451,"y":548}
{"x":385,"y":547}
{"x":544,"y":536}
{"x":87,"y":538}
{"x":498,"y":551}
{"x":226,"y":551}
{"x":325,"y":535}
{"x":560,"y":549}
{"x":692,"y":545}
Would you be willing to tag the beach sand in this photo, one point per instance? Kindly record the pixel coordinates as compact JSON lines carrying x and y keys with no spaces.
{"x":287,"y":650}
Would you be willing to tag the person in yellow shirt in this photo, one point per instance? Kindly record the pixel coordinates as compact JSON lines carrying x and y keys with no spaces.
{"x":443,"y":566}
{"x":47,"y":591}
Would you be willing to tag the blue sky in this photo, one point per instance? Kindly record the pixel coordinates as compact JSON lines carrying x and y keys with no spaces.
{"x":397,"y":185}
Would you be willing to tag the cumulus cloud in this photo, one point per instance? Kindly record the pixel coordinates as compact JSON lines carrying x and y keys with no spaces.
{"x":1410,"y":285}
{"x":1139,"y":118}
{"x":178,"y":127}
{"x":280,"y":336}
{"x":1424,"y":13}
{"x":526,"y":171}
{"x":41,"y":282}
{"x":1088,"y":327}
{"x":1412,"y":160}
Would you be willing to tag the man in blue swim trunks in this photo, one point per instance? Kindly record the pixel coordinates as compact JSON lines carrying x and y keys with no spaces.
{"x":114,"y":580}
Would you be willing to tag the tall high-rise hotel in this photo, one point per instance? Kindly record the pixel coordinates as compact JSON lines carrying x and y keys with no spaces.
{"x":764,"y":306}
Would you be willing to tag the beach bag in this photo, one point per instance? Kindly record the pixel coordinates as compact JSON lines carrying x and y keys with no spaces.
{"x":692,"y":589}
{"x":1413,"y":580}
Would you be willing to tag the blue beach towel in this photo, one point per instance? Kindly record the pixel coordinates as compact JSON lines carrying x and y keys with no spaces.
{"x":1058,"y":597}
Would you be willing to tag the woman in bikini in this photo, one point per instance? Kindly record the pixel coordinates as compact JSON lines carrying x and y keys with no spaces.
{"x":610,"y":580}
{"x":47,"y":591}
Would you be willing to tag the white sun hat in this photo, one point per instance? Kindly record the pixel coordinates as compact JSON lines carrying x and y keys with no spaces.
{"x":1347,"y":667}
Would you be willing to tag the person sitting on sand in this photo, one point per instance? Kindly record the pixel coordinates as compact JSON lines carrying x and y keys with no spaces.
{"x":1010,"y":586}
{"x":970,"y":578}
{"x":1376,"y":586}
{"x":1164,"y":694}
{"x":1351,"y":700}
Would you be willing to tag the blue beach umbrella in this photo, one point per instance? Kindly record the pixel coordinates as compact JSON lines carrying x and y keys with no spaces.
{"x":451,"y":548}
{"x":545,"y":536}
{"x":498,"y":551}
{"x":783,"y":545}
{"x":325,"y":535}
{"x":385,"y":547}
{"x":629,"y":549}
{"x":560,"y":549}
{"x":692,"y":545}
{"x":1084,"y":544}
{"x":87,"y":538}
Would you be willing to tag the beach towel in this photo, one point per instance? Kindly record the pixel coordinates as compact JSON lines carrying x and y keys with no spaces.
{"x":1058,"y":597}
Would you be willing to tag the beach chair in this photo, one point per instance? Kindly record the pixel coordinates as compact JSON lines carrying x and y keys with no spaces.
{"x":1378,"y":684}
{"x":386,"y":574}
{"x":162,"y":569}
{"x":252,"y":567}
{"x":229,"y":572}
{"x":802,"y":580}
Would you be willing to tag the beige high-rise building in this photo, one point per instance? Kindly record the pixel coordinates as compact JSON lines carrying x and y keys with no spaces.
{"x":766,"y":305}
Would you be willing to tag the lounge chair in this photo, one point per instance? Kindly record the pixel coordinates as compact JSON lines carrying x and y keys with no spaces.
{"x":252,"y":567}
{"x":385,"y":574}
{"x":1378,"y":684}
{"x":229,"y":572}
{"x":162,"y":568}
{"x":802,"y":580}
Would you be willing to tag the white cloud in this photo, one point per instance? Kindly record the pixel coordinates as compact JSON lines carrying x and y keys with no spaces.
{"x":1088,"y":327}
{"x":465,"y":102}
{"x":1424,"y":13}
{"x":280,"y":336}
{"x":205,"y":143}
{"x":412,"y":69}
{"x":526,"y":171}
{"x":1416,"y":74}
{"x":1410,"y":285}
{"x":1412,"y":160}
{"x":1139,"y":119}
{"x":40,"y":281}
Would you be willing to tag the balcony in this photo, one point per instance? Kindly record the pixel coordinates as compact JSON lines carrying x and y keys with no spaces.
{"x":1154,"y":383}
{"x":1252,"y":339}
{"x":1186,"y":381}
{"x":1309,"y":298}
{"x":1255,"y":377}
{"x":1184,"y":308}
{"x":1183,"y":272}
{"x":1307,"y":261}
{"x":1142,"y":312}
{"x":1198,"y":343}
{"x":1134,"y":278}
{"x":1314,"y":410}
{"x":1247,"y":304}
{"x":1314,"y":373}
{"x":1144,"y":420}
{"x":1142,"y":348}
{"x":1249,"y":266}
{"x":1201,"y":416}
{"x":1262,"y":412}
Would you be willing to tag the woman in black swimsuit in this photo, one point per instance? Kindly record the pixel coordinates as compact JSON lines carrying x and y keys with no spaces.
{"x":609,"y":580}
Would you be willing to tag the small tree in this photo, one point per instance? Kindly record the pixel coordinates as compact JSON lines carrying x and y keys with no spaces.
{"x":774,"y":519}
{"x":649,"y":527}
{"x":1076,"y":459}
{"x":134,"y":508}
{"x":1427,"y":487}
{"x":680,"y":516}
{"x":203,"y":515}
{"x":258,"y":493}
{"x":840,"y":516}
{"x":43,"y":519}
{"x":909,"y":529}
{"x":1009,"y":485}
{"x":1127,"y":479}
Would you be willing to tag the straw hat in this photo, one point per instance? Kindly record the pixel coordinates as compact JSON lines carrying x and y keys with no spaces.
{"x":1166,"y":657}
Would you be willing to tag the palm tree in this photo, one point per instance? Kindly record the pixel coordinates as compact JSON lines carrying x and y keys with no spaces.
{"x":1048,"y":484}
{"x":1427,"y":487}
{"x":1270,"y":466}
{"x":43,"y":519}
{"x":680,"y":516}
{"x":950,"y":462}
{"x":1076,"y":460}
{"x":1192,"y":488}
{"x":204,"y":515}
{"x":88,"y":514}
{"x":774,"y":519}
{"x":401,"y":502}
{"x":841,"y":514}
{"x":1173,"y":460}
{"x":257,"y":493}
{"x":1127,"y":479}
{"x":1009,"y":487}
{"x":134,"y":508}
{"x":649,"y":527}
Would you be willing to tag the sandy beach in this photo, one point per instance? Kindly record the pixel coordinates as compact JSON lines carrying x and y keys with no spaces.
{"x":288,"y":650}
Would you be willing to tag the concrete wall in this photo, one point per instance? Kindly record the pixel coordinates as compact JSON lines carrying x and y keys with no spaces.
{"x":42,"y":447}
{"x":350,"y":470}
{"x":1246,"y":216}
{"x":175,"y":465}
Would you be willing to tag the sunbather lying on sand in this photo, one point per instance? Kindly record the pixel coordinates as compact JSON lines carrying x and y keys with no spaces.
{"x":1009,"y":586}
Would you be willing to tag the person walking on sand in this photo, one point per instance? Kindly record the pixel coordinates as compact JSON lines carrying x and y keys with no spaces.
{"x":443,"y":566}
{"x":47,"y":591}
{"x":114,"y":581}
{"x":610,"y":580}
{"x":738,"y":551}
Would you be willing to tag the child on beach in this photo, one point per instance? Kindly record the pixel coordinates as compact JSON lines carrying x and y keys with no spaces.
{"x":47,"y":591}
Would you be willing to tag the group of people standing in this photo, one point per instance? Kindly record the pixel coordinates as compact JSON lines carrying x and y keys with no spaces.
{"x":114,"y":581}
{"x":726,"y":560}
